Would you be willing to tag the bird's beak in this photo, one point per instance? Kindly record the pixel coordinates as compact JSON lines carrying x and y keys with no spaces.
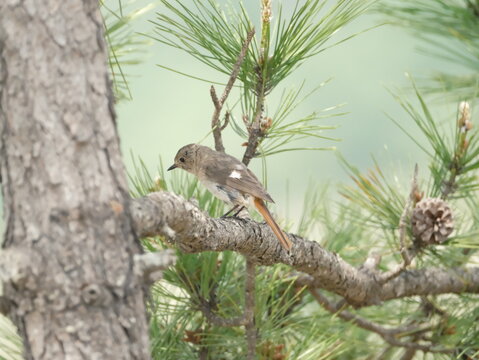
{"x":174,"y":166}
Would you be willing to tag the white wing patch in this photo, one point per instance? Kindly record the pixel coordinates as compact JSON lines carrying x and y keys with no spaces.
{"x":235,"y":174}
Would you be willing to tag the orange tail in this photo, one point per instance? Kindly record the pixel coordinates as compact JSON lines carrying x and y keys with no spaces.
{"x":263,"y":210}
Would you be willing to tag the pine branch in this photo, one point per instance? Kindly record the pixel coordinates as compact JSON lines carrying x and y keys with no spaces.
{"x":194,"y":231}
{"x":216,"y":320}
{"x":409,"y":354}
{"x":406,"y":254}
{"x":218,"y":103}
{"x":254,"y":129}
{"x":390,"y":335}
{"x":456,"y":164}
{"x":251,"y":332}
{"x":255,"y":134}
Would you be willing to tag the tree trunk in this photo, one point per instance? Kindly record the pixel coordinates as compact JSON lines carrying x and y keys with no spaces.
{"x":69,"y":243}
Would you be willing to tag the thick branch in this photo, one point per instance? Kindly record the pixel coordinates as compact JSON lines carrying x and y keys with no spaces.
{"x":195,"y":232}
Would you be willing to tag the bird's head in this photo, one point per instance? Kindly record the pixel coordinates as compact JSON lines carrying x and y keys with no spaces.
{"x":186,"y":158}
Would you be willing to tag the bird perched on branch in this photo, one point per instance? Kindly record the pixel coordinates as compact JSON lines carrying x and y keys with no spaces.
{"x":229,"y":180}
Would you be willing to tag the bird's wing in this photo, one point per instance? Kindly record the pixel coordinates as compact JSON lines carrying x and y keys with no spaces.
{"x":231,"y":172}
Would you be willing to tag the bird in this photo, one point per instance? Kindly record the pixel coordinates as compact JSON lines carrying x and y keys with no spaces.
{"x":229,"y":180}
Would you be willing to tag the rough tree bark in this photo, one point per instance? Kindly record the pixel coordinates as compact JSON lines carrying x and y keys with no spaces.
{"x":69,"y":244}
{"x":192,"y":230}
{"x":71,"y":266}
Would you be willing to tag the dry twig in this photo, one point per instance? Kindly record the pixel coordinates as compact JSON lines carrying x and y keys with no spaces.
{"x":390,"y":335}
{"x":250,"y":325}
{"x":406,"y":214}
{"x":218,"y":103}
{"x":254,"y":129}
{"x":216,"y":320}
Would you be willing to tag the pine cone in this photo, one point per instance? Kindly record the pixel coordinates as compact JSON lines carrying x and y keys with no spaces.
{"x":432,"y":221}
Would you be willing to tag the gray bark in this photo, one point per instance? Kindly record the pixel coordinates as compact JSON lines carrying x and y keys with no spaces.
{"x":192,"y":230}
{"x":69,"y":245}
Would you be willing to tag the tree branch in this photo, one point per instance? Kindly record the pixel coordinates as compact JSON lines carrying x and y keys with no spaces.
{"x":249,"y":307}
{"x":254,"y":129}
{"x":358,"y":320}
{"x":390,"y":335}
{"x":406,"y":214}
{"x":218,"y":320}
{"x":196,"y":232}
{"x":149,"y":266}
{"x":218,"y":103}
{"x":255,"y":133}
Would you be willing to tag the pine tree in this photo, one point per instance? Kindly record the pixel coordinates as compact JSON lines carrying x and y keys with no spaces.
{"x":393,"y":273}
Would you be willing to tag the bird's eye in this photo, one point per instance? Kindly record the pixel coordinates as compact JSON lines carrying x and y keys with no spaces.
{"x":182,"y":159}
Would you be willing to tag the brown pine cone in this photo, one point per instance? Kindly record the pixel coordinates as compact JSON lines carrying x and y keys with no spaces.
{"x":432,"y":221}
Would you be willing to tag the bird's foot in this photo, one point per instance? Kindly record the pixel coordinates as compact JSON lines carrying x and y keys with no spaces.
{"x":229,"y":212}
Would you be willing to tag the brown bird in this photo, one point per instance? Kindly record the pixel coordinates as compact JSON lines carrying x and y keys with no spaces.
{"x":229,"y":180}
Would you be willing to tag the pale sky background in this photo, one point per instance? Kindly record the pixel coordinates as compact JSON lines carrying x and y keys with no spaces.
{"x":169,"y":110}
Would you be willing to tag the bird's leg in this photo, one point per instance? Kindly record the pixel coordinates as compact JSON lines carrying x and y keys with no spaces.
{"x":230,"y":211}
{"x":240,"y":210}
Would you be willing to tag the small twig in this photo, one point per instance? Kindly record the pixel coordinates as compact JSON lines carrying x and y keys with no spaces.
{"x":409,"y":354}
{"x":247,"y":319}
{"x":254,"y":129}
{"x":405,"y":215}
{"x":250,"y":325}
{"x":246,"y":122}
{"x":357,"y":320}
{"x":413,"y":345}
{"x":226,"y":121}
{"x":428,"y":307}
{"x":237,"y":66}
{"x":149,"y":266}
{"x":465,"y":125}
{"x":388,"y":334}
{"x":218,"y":103}
{"x":203,"y":353}
{"x":384,"y":355}
{"x":405,"y":253}
{"x":217,"y":320}
{"x":372,"y":261}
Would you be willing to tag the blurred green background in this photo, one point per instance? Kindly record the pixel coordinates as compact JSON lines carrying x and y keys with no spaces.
{"x":169,"y":110}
